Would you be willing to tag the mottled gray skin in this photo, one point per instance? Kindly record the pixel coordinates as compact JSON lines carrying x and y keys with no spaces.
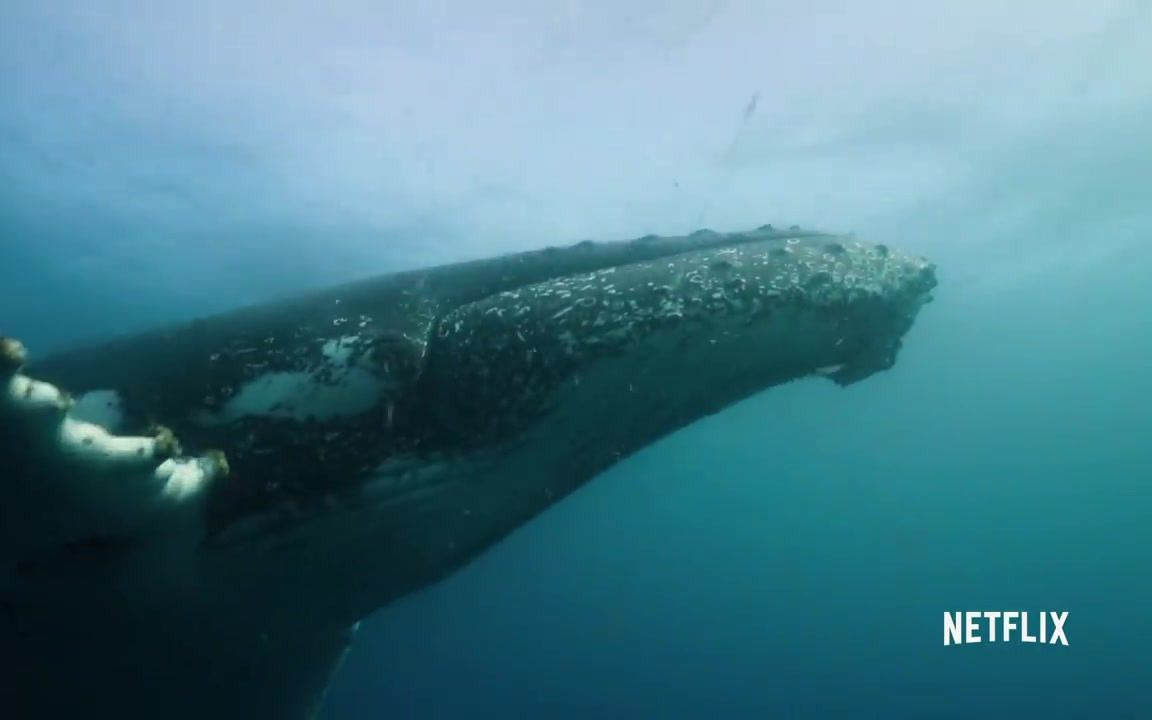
{"x":506,"y":384}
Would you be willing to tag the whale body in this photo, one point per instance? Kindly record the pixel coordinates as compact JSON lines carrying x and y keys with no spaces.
{"x":193,"y":520}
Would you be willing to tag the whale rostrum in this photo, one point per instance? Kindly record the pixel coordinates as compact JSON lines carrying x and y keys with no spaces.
{"x":194,"y":519}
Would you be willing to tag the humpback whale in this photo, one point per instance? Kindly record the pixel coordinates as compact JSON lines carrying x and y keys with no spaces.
{"x":194,"y":519}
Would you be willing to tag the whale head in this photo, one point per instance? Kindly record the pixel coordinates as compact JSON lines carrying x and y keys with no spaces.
{"x":343,"y":448}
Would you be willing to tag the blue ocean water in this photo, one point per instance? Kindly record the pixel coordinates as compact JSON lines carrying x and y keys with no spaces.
{"x":792,"y":556}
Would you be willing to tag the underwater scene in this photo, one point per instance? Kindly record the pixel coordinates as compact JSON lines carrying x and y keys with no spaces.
{"x":576,"y":359}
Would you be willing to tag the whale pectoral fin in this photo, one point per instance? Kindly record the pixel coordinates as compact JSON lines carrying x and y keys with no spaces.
{"x":327,"y":662}
{"x":99,"y":540}
{"x":286,"y":672}
{"x":167,"y":660}
{"x":69,"y":480}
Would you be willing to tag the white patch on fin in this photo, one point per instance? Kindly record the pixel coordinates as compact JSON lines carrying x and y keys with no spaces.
{"x":88,"y":482}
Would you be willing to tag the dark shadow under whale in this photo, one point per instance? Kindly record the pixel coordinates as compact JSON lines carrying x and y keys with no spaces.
{"x":200,"y":524}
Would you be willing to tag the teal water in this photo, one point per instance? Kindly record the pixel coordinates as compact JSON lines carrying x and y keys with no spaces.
{"x":792,"y":556}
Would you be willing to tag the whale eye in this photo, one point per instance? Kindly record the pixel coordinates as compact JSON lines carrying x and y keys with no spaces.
{"x":399,"y":358}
